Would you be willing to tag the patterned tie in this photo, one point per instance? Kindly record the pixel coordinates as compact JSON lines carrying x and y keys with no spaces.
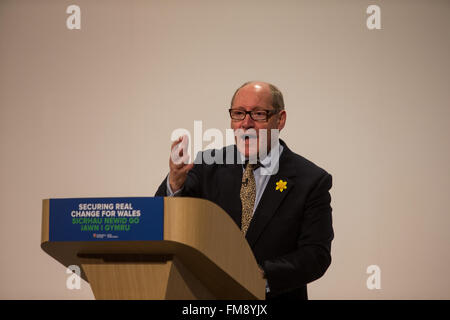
{"x":248,"y":195}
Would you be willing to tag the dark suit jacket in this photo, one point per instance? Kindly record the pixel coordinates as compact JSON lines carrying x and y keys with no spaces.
{"x":291,"y":231}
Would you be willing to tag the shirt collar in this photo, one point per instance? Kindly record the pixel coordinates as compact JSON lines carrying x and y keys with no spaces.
{"x":266,"y":161}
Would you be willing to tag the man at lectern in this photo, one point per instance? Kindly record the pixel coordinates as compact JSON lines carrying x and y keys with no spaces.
{"x":279,"y":200}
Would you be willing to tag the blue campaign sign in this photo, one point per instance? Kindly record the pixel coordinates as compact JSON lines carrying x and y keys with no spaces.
{"x":92,"y":219}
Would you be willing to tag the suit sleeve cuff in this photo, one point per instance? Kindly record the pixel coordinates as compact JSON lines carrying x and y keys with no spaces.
{"x":170,"y":193}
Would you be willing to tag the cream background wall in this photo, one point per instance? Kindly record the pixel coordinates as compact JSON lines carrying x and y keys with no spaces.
{"x":89,"y":113}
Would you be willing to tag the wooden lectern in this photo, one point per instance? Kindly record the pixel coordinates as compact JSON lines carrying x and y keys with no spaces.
{"x":203,"y":255}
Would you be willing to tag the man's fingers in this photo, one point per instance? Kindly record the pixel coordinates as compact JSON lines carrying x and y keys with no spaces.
{"x":176,"y":142}
{"x":176,"y":155}
{"x":188,"y":167}
{"x":185,"y":159}
{"x":183,"y":145}
{"x":179,"y":161}
{"x":184,"y":139}
{"x":179,"y":149}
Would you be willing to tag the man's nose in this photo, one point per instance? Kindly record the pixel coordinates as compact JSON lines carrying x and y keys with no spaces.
{"x":248,"y":122}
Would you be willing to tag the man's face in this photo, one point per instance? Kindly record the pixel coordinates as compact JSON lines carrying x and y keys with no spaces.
{"x":252,"y":97}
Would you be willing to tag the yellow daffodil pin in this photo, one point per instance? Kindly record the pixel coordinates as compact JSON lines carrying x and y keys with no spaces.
{"x":281,"y":185}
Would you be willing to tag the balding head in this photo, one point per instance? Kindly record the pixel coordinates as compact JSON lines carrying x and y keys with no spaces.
{"x":262,"y":88}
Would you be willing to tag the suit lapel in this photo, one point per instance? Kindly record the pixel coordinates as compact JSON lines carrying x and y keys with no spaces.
{"x":271,"y":198}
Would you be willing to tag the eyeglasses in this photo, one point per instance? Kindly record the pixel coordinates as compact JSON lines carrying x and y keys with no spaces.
{"x":256,"y":115}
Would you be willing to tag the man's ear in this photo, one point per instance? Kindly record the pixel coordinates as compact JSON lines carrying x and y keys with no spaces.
{"x":281,"y":119}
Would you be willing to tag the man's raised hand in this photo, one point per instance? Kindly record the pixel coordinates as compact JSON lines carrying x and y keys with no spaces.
{"x":179,"y":163}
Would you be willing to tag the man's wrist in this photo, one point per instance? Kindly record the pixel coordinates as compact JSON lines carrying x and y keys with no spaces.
{"x":170,"y":192}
